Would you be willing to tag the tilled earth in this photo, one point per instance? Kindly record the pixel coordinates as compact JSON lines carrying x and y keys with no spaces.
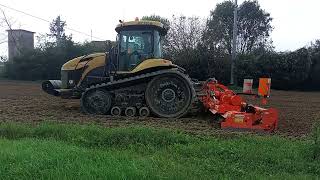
{"x":25,"y":102}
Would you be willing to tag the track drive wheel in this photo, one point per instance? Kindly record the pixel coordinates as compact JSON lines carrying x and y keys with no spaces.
{"x":96,"y":101}
{"x":115,"y":111}
{"x":169,"y":95}
{"x":130,"y":111}
{"x":144,"y":112}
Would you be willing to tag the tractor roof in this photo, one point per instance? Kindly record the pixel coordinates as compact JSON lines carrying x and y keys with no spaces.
{"x":142,"y":24}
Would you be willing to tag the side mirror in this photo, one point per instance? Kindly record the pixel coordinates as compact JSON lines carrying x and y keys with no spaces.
{"x":118,"y":37}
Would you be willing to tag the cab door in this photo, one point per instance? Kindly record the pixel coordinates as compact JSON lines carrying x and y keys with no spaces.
{"x":135,"y":46}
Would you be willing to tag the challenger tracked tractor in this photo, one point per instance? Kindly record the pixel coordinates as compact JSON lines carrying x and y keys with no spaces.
{"x":132,"y":79}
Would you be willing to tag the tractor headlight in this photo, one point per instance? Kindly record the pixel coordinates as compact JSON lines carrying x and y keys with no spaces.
{"x":71,"y":82}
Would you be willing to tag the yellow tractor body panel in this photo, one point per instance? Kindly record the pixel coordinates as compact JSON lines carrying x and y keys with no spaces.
{"x":139,"y":23}
{"x":74,"y":64}
{"x":151,"y":63}
{"x":142,"y":22}
{"x":150,"y":24}
{"x":98,"y":61}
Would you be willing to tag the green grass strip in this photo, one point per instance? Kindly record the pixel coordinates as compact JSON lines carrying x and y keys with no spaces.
{"x":62,"y":151}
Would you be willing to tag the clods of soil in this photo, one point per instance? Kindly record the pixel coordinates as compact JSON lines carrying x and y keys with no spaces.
{"x":25,"y":101}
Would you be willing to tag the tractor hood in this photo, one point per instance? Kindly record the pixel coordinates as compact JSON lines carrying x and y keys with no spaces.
{"x":80,"y":62}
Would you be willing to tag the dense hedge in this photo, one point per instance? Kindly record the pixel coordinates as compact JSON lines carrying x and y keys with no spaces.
{"x":289,"y":70}
{"x":298,"y":70}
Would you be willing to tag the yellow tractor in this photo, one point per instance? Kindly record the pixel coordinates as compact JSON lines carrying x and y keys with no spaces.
{"x":131,"y":79}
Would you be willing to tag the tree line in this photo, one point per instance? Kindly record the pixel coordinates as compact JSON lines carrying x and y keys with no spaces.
{"x":202,"y":47}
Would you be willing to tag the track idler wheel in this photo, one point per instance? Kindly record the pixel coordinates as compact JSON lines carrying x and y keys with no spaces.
{"x":96,"y":101}
{"x":169,"y":95}
{"x":130,"y":111}
{"x":115,"y":111}
{"x":144,"y":112}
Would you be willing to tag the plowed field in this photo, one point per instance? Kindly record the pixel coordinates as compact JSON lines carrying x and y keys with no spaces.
{"x":25,"y":101}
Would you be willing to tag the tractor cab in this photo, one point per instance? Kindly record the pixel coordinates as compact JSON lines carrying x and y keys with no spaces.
{"x":138,"y":41}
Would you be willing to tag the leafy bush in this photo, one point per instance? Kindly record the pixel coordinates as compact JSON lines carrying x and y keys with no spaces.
{"x":313,"y":81}
{"x":288,"y":70}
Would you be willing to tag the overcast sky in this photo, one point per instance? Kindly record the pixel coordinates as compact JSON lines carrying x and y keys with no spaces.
{"x":296,"y":22}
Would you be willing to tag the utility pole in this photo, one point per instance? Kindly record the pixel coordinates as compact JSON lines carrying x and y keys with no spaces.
{"x":91,"y":35}
{"x":234,"y":44}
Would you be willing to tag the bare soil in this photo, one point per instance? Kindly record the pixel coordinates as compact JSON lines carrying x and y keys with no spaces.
{"x":25,"y":102}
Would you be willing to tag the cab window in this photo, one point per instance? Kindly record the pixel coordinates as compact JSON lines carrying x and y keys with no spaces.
{"x":135,"y":46}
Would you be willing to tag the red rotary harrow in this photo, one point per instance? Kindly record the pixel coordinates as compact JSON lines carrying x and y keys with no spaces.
{"x":235,"y":112}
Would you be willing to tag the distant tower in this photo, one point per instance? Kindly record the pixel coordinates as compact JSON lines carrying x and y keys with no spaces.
{"x":19,"y":40}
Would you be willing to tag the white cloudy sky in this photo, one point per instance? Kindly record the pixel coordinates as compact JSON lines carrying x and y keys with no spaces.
{"x":296,"y":22}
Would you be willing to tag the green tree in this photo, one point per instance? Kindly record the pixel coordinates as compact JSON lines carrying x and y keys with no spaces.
{"x":254,"y":27}
{"x":314,"y":78}
{"x":57,"y":29}
{"x":158,"y":18}
{"x":184,"y":34}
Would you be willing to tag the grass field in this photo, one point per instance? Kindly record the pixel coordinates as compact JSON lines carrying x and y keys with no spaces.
{"x":65,"y":151}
